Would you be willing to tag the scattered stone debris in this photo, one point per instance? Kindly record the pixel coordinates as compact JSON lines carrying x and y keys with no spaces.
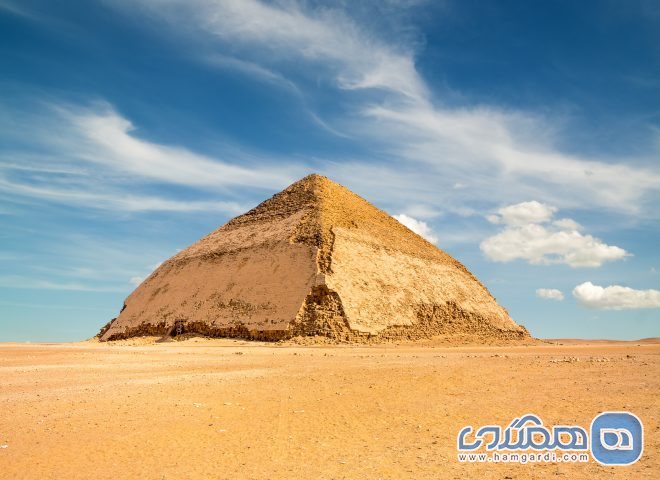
{"x":565,"y":360}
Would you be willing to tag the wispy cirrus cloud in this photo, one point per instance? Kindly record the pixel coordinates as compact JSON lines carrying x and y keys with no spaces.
{"x":251,"y":69}
{"x":117,"y":201}
{"x":32,"y":283}
{"x":92,"y":157}
{"x":505,"y":155}
{"x":286,"y":30}
{"x":81,"y":262}
{"x":107,"y":138}
{"x":17,"y":8}
{"x":464,"y":158}
{"x":494,"y":154}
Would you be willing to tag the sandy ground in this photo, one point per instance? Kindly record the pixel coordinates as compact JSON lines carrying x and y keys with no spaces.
{"x":216,"y":409}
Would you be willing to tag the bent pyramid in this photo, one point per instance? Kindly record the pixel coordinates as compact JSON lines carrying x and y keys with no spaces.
{"x":315,"y":259}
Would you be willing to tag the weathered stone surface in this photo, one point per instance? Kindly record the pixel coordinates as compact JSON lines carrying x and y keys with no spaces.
{"x":315,"y":259}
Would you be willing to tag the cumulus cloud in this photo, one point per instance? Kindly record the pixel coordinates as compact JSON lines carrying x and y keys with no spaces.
{"x":567,"y":224}
{"x":529,"y":234}
{"x":138,"y":279}
{"x":550,"y":294}
{"x":419,"y":227}
{"x":523,"y":213}
{"x":615,"y":297}
{"x":135,"y":281}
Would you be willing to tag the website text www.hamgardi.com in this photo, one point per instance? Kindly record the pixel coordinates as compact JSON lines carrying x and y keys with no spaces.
{"x":523,"y":458}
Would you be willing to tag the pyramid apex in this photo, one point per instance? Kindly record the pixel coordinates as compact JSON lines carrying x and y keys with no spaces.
{"x":313,"y":184}
{"x":315,"y":178}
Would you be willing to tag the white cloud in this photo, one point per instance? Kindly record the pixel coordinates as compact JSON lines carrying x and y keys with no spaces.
{"x":523,"y":213}
{"x":92,"y":157}
{"x":463,"y":158}
{"x":15,"y":281}
{"x":504,"y":154}
{"x":549,"y":294}
{"x":251,"y":69}
{"x":117,"y":201}
{"x":72,"y":261}
{"x":567,"y":224}
{"x":490,"y":154}
{"x":285,"y":30}
{"x":422,"y":211}
{"x":419,"y":227}
{"x":541,"y":243}
{"x":102,"y":136}
{"x":615,"y":297}
{"x":137,"y":280}
{"x":17,"y":8}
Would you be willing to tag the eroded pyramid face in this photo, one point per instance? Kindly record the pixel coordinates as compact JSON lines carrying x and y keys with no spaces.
{"x":315,"y":259}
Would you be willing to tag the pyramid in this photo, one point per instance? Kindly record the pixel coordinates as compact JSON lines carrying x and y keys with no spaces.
{"x":313,"y":260}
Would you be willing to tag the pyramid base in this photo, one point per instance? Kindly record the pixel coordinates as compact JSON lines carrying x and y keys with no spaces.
{"x":322,"y":316}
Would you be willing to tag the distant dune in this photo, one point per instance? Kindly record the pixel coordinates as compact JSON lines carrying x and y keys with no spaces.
{"x":568,"y":341}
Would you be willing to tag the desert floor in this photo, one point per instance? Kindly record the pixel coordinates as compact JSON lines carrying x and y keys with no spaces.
{"x":216,"y":409}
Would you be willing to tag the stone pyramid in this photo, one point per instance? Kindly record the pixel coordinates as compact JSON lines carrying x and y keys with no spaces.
{"x":313,"y":260}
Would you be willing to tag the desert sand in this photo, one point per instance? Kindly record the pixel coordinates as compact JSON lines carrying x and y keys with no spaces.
{"x":221,"y":409}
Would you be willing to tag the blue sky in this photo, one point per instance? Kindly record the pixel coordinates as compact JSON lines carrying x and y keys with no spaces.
{"x":522,"y":137}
